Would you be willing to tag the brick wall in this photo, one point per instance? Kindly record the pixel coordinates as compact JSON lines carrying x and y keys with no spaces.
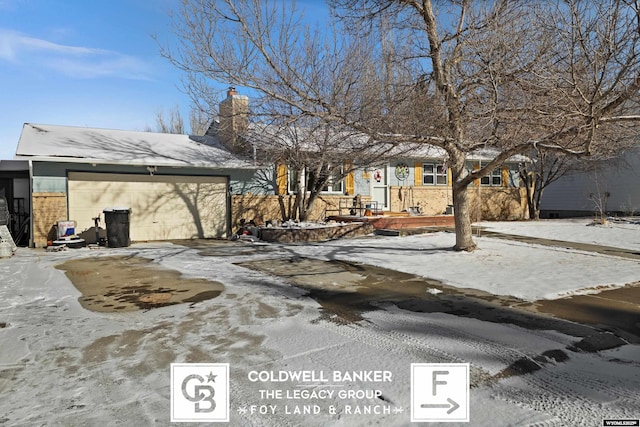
{"x":431,"y":200}
{"x":498,"y":203}
{"x":48,"y":209}
{"x":268,"y":208}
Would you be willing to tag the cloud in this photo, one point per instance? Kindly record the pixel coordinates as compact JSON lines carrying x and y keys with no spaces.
{"x":71,"y":61}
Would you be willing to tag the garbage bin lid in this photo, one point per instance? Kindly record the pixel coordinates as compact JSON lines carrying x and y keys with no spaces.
{"x":117,"y":209}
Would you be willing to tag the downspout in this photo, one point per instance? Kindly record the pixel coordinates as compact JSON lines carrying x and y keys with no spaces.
{"x":229,"y":230}
{"x":31,"y":242}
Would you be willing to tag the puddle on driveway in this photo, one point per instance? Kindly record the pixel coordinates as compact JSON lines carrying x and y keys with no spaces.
{"x":615,"y":309}
{"x":128,"y":283}
{"x":346,"y":290}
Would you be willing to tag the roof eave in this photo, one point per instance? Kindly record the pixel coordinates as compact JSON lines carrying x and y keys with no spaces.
{"x":150,"y":162}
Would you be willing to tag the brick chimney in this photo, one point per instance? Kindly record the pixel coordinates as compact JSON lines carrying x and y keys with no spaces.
{"x":234,"y":122}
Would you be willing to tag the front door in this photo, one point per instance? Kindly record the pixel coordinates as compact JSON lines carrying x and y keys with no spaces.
{"x":380,"y":187}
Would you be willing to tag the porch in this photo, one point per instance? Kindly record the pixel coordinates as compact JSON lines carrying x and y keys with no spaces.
{"x":398,"y":220}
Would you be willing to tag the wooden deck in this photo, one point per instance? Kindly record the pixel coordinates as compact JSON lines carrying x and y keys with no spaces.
{"x":398,"y":221}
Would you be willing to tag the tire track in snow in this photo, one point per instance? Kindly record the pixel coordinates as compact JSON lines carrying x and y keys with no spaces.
{"x":567,"y":394}
{"x":577,"y":396}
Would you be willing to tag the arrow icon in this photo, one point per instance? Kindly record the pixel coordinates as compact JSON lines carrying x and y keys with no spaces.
{"x":452,"y":405}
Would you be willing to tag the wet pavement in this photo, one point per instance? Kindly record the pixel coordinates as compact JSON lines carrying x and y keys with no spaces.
{"x":128,"y":283}
{"x":346,"y":291}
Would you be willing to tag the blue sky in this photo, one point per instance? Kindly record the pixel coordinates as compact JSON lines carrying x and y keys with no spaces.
{"x":91,"y":63}
{"x":84,"y":63}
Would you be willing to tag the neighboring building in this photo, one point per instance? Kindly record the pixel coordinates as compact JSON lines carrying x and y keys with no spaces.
{"x":176,"y":186}
{"x":609,"y":188}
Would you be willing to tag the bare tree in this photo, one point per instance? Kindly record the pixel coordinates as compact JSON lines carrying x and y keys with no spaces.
{"x":514,"y":77}
{"x":503,"y":77}
{"x":293,"y":73}
{"x":318,"y":157}
{"x":543,"y":169}
{"x":172,"y":122}
{"x":199,"y":121}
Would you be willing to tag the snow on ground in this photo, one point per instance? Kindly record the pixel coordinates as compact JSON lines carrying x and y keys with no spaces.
{"x":619,"y":233}
{"x":501,"y":267}
{"x":63,"y":365}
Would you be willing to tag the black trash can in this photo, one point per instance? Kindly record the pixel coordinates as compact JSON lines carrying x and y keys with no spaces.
{"x":117,"y":225}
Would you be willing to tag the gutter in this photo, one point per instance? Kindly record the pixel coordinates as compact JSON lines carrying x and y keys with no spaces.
{"x":142,"y":163}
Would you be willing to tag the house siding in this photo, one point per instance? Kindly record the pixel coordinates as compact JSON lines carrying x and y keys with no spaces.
{"x":49,"y":184}
{"x":585,"y":193}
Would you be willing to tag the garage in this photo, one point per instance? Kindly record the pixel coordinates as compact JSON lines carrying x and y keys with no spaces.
{"x":163,"y":207}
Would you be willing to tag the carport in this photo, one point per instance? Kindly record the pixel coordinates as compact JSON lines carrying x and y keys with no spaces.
{"x":14,"y":187}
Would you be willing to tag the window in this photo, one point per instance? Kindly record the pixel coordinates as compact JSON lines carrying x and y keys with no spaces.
{"x":494,"y":180}
{"x":434,"y":174}
{"x":332,"y":186}
{"x":293,"y":180}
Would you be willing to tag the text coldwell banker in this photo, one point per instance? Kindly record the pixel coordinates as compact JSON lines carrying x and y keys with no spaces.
{"x":320,"y":376}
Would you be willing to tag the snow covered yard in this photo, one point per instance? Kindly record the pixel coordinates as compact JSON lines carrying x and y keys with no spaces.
{"x":63,"y":365}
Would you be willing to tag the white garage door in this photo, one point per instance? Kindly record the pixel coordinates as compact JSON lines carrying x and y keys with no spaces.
{"x":162,"y":207}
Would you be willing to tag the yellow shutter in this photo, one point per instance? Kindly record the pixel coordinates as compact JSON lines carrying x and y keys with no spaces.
{"x":281,"y":178}
{"x":417,"y":174}
{"x":476,"y":167}
{"x":505,"y":176}
{"x":349,"y":180}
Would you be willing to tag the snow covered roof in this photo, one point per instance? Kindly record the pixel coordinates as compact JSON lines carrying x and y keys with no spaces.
{"x":266,"y":136}
{"x":424,"y":151}
{"x":109,"y":146}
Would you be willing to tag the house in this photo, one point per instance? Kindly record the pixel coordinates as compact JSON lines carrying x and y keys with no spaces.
{"x":176,"y":186}
{"x":182,"y":187}
{"x":605,"y":188}
{"x":412,"y":179}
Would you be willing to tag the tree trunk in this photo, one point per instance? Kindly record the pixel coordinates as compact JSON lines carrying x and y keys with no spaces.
{"x":462,"y":218}
{"x":530,"y":186}
{"x":307,"y":206}
{"x":537,"y":197}
{"x":534,"y":210}
{"x":461,"y":209}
